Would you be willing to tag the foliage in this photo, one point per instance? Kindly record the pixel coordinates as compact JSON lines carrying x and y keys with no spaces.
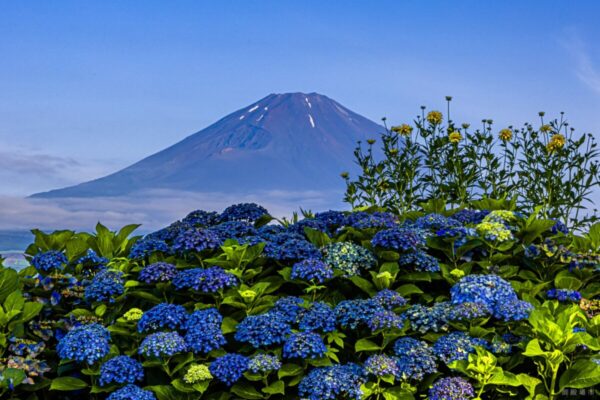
{"x":375,"y":306}
{"x":547,"y":165}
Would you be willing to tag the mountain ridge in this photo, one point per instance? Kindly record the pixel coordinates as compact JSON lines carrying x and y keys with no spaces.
{"x":288,"y":141}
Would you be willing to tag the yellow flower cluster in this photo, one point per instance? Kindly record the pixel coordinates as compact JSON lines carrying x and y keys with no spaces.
{"x":556,"y":142}
{"x":134,"y":314}
{"x":197,"y":373}
{"x":435,"y":117}
{"x":455,"y":137}
{"x":500,"y":216}
{"x":505,"y":134}
{"x":494,"y":231}
{"x":403,"y":130}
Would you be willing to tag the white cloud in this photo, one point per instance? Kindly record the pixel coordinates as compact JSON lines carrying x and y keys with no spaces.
{"x":152,"y":209}
{"x":584,"y":67}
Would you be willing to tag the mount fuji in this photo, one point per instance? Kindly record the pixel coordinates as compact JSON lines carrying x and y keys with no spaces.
{"x":291,"y":141}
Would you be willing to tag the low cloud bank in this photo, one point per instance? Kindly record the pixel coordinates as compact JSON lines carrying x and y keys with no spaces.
{"x":152,"y":209}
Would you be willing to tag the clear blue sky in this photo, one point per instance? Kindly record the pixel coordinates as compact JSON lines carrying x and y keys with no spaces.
{"x":88,"y":87}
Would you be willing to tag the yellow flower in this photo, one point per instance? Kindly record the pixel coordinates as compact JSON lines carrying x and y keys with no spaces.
{"x":134,"y":314}
{"x":403,"y":130}
{"x":371,"y":141}
{"x":505,"y":134}
{"x":434,"y":117}
{"x":248,"y":295}
{"x":455,"y":137}
{"x":197,"y":373}
{"x":557,"y":142}
{"x":545,"y":128}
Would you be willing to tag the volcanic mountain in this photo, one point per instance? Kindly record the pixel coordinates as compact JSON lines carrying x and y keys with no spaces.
{"x":291,"y":141}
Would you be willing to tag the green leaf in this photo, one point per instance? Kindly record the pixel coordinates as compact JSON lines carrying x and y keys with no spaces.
{"x":277,"y":387}
{"x":30,"y":310}
{"x":366,"y":345}
{"x":67,"y":383}
{"x":14,"y":302}
{"x":13,"y":375}
{"x":100,"y":310}
{"x":408,"y":289}
{"x":318,"y":238}
{"x":289,"y":370}
{"x":564,"y":280}
{"x":246,"y":391}
{"x":582,"y":374}
{"x":364,"y":284}
{"x":228,"y":325}
{"x":180,"y":385}
{"x":165,"y":392}
{"x":9,"y":282}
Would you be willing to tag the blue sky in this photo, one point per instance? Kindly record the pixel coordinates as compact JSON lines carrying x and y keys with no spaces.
{"x":89,"y":87}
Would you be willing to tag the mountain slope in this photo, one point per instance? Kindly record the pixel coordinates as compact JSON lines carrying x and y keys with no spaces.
{"x":291,"y":141}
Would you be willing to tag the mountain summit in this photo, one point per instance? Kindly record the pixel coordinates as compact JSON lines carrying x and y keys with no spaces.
{"x":291,"y":141}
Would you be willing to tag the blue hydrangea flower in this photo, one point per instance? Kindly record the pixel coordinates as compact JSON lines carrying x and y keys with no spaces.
{"x":559,"y":226}
{"x":229,"y":368}
{"x":262,"y":330}
{"x":289,"y":247}
{"x":415,"y":359}
{"x":304,"y":345}
{"x":382,"y":365}
{"x":494,"y":292}
{"x":121,"y":369}
{"x":196,"y":239}
{"x":264,"y":363}
{"x":470,"y":216}
{"x":451,"y":388}
{"x":204,"y":331}
{"x":234,"y":230}
{"x":158,"y":272}
{"x":456,"y":346}
{"x":389,"y":299}
{"x":131,"y":392}
{"x":564,"y":295}
{"x":436,"y":222}
{"x":377,"y":220}
{"x":169,"y":233}
{"x":499,"y":346}
{"x":311,"y":223}
{"x":468,"y":311}
{"x":161,"y":316}
{"x":331,"y":219}
{"x":319,"y":317}
{"x":458,"y":235}
{"x":312,"y":270}
{"x":351,"y":314}
{"x":384,"y":319}
{"x":84,"y":343}
{"x":420,"y":261}
{"x":399,"y":239}
{"x":147,"y":246}
{"x":91,"y":258}
{"x":424,"y":319}
{"x":249,"y":212}
{"x":332,"y":383}
{"x":209,"y":280}
{"x":201,"y":218}
{"x":289,"y":308}
{"x":105,"y":285}
{"x":162,"y":344}
{"x":49,"y":260}
{"x":349,"y":258}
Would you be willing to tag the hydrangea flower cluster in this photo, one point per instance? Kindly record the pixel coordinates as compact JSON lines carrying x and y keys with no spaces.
{"x":197,"y":373}
{"x":331,"y":219}
{"x":381,"y":365}
{"x":158,"y":272}
{"x":234,"y":230}
{"x":290,"y":247}
{"x":105,"y":285}
{"x":162,"y":344}
{"x":209,"y":280}
{"x":456,"y":346}
{"x":264,"y":363}
{"x":147,"y":246}
{"x":312,"y":223}
{"x":384,"y":319}
{"x":424,"y":319}
{"x":351,"y":314}
{"x":420,"y":261}
{"x":304,"y":345}
{"x":494,"y":231}
{"x":162,"y":316}
{"x":319,"y":317}
{"x":451,"y":388}
{"x":415,"y":359}
{"x":466,"y":216}
{"x":399,"y":239}
{"x":348,"y":258}
{"x":121,"y":369}
{"x":229,"y":368}
{"x":49,"y":260}
{"x":196,"y":239}
{"x":248,"y":212}
{"x":340,"y":381}
{"x":389,"y":299}
{"x":131,"y":392}
{"x":312,"y":270}
{"x":365,"y":220}
{"x":288,"y":308}
{"x":204,"y":331}
{"x":262,"y":330}
{"x":494,"y":292}
{"x":564,"y":295}
{"x":92,"y":259}
{"x":84,"y":343}
{"x":201,"y":218}
{"x":436,"y":222}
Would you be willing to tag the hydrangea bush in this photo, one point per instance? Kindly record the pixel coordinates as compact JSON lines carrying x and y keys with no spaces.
{"x":434,"y":304}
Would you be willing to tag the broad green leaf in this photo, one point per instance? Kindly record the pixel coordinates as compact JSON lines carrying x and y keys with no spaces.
{"x":366,"y":345}
{"x":583,"y":374}
{"x":67,"y":383}
{"x":246,"y":391}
